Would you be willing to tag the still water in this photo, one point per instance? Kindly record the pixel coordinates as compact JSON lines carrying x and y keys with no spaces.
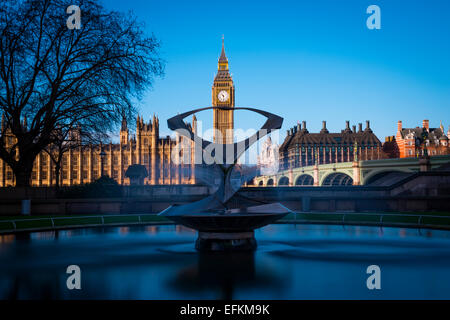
{"x":291,"y":262}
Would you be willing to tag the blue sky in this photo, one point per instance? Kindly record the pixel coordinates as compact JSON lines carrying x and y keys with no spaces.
{"x":304,"y":60}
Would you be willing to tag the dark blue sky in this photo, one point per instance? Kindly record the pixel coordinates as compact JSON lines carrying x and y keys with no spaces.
{"x":304,"y":60}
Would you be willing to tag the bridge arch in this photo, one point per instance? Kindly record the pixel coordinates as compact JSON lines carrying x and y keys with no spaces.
{"x":270,"y":182}
{"x":377,"y":174}
{"x":304,"y":180}
{"x":337,"y":179}
{"x":284,"y":181}
{"x":260,"y":183}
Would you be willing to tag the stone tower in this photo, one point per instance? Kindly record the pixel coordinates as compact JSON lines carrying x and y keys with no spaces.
{"x":124,"y":133}
{"x":147,"y":135}
{"x":223,"y":96}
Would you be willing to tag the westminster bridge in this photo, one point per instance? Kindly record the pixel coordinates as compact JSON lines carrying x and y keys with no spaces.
{"x":351,"y":173}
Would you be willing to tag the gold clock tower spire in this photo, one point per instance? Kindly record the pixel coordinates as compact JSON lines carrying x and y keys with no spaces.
{"x":223,"y":96}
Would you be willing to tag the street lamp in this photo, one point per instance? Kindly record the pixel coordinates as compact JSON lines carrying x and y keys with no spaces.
{"x":424,"y":141}
{"x":424,"y":161}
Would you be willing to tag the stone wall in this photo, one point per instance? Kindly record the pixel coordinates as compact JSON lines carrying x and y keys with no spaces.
{"x":135,"y":199}
{"x":422,"y":192}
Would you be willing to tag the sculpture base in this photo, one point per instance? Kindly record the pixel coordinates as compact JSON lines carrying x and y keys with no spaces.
{"x":225,"y":241}
{"x":225,"y":229}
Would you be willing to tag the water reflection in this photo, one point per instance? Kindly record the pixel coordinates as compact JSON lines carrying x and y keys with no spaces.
{"x":27,"y":286}
{"x":124,"y":230}
{"x":291,"y":262}
{"x":7,"y":238}
{"x":223,"y":273}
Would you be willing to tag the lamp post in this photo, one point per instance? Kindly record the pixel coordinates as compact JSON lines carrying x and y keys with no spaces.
{"x":424,"y":161}
{"x":424,"y":141}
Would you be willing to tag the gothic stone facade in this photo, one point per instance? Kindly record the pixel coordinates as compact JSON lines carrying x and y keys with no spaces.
{"x":86,"y":164}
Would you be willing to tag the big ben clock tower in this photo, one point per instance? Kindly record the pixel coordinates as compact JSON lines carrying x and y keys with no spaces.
{"x":223,"y":96}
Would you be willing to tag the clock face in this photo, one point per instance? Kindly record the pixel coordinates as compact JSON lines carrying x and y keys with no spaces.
{"x":223,"y":96}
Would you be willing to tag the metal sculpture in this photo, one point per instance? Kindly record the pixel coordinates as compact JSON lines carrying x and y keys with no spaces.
{"x":221,"y":227}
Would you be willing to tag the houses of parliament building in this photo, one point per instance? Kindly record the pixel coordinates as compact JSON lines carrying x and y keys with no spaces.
{"x":146,"y":147}
{"x":88,"y":163}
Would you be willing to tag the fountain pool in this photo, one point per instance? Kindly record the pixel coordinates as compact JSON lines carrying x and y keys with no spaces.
{"x":291,"y":262}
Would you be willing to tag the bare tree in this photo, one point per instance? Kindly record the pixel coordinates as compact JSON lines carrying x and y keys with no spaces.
{"x":61,"y":78}
{"x":70,"y":138}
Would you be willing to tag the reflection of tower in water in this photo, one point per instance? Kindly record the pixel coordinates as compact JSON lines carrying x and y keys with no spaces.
{"x":223,"y":273}
{"x":220,"y":272}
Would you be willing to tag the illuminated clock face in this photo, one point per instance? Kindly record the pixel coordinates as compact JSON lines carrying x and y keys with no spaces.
{"x":223,"y":96}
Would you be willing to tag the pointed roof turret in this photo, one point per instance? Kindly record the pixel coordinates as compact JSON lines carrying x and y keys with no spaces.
{"x":223,"y":57}
{"x":223,"y":73}
{"x":124,"y":124}
{"x":223,"y":62}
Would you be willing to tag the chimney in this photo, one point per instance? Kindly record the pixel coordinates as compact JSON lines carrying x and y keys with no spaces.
{"x":426,"y":124}
{"x":354,"y":129}
{"x":287,"y":133}
{"x":368,"y":127}
{"x":299,"y":127}
{"x":324,"y":127}
{"x":347,"y":125}
{"x":399,"y":125}
{"x":292,"y":131}
{"x":359,"y":127}
{"x":304,"y":130}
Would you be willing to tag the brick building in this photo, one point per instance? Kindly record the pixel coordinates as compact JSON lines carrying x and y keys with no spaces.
{"x":302,"y":148}
{"x":412,"y":142}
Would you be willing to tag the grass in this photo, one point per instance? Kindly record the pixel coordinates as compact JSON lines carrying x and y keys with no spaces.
{"x":21,"y":217}
{"x":28,"y":222}
{"x":430,"y":218}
